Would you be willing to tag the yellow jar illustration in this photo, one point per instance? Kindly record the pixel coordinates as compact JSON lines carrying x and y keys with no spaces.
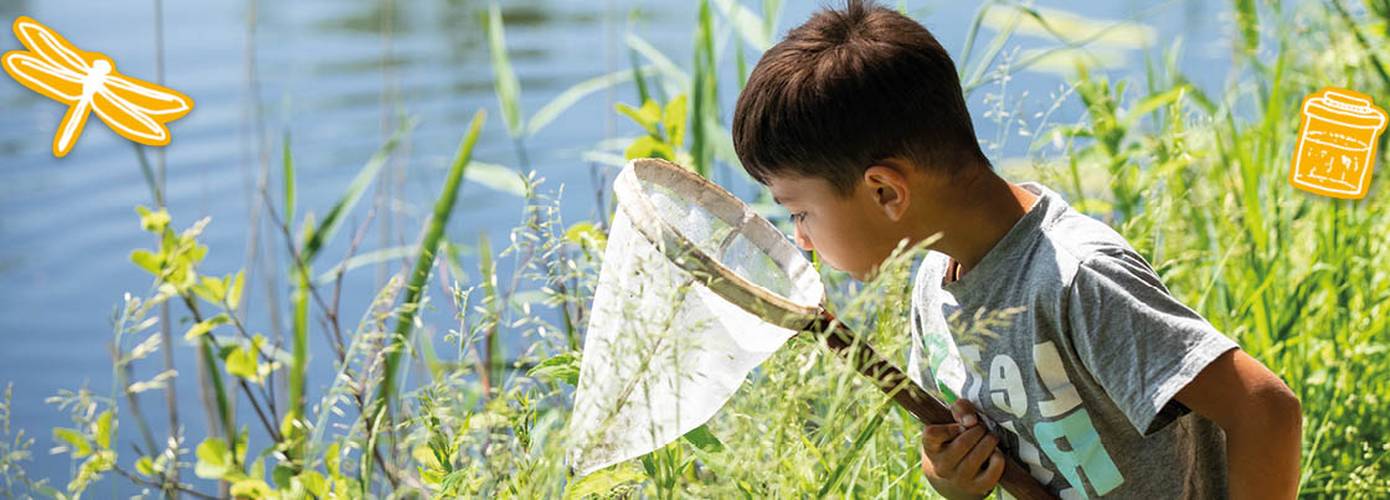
{"x":1337,"y":142}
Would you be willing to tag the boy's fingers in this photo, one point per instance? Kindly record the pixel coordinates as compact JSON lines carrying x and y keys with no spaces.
{"x":992,"y":472}
{"x":970,"y":465}
{"x":934,"y":437}
{"x":957,"y":449}
{"x":964,"y":412}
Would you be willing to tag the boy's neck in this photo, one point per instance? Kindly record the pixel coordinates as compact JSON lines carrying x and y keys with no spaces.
{"x":985,"y":208}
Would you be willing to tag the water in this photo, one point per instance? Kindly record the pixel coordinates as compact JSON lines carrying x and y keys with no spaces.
{"x":334,"y":73}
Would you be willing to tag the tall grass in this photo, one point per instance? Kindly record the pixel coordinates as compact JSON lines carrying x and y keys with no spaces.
{"x":1194,"y":178}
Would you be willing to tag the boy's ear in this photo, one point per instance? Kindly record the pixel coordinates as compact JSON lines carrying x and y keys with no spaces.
{"x":888,"y":184}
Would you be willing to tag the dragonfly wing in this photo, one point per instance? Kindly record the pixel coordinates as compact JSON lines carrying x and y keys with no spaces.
{"x":40,"y":76}
{"x":161,"y":103}
{"x":51,"y":46}
{"x":127,"y":120}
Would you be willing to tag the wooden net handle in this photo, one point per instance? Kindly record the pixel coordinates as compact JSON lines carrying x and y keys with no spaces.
{"x":913,"y":398}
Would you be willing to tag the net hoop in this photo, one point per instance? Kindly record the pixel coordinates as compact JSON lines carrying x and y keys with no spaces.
{"x":680,"y":250}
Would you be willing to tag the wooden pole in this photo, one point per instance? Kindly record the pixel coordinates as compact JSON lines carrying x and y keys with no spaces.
{"x":913,"y":398}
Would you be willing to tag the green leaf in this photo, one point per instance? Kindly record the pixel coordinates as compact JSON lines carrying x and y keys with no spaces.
{"x":331,"y":460}
{"x":104,"y":429}
{"x":314,"y":483}
{"x":674,"y":119}
{"x":586,"y":235}
{"x":202,"y":327}
{"x":244,"y":361}
{"x":234,"y":290}
{"x":504,"y":79}
{"x":155,"y":221}
{"x":75,"y":440}
{"x":213,"y":459}
{"x":1153,"y":102}
{"x":496,"y":177}
{"x":564,"y":367}
{"x":648,"y":147}
{"x":648,"y":116}
{"x":283,"y":475}
{"x":211,"y":289}
{"x":603,"y":481}
{"x":250,"y":488}
{"x":703,"y":439}
{"x":147,"y":260}
{"x":145,"y":466}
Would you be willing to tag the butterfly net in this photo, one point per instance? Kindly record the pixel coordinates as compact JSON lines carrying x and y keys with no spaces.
{"x":694,"y":292}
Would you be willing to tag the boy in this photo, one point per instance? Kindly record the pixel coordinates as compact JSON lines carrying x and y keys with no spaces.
{"x":1104,"y":384}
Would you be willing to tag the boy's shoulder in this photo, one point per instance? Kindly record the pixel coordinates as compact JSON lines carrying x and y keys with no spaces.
{"x":1077,"y":237}
{"x":1046,"y":251}
{"x":1077,"y":243}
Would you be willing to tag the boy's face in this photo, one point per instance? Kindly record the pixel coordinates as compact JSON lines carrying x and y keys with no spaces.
{"x":853,"y":233}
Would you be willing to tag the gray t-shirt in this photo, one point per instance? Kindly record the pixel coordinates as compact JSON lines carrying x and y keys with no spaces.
{"x":1076,"y":366}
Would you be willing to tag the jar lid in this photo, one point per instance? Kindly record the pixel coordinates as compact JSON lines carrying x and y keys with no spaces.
{"x":1345,"y":107}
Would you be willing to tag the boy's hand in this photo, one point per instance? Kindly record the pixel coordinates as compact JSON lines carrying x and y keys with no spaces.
{"x":961,"y":460}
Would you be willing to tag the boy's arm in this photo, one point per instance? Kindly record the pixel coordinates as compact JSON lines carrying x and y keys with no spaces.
{"x":1262,"y":419}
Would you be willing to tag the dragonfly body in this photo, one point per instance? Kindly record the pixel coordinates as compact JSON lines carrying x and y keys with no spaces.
{"x":88,"y":82}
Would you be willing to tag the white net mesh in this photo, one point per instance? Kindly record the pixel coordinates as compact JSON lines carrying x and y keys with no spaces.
{"x":671,"y":336}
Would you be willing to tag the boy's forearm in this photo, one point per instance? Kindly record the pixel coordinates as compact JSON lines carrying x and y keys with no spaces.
{"x":1263,"y":455}
{"x":1262,"y":419}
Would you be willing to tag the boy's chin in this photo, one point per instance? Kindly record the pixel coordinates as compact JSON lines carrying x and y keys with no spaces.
{"x":861,"y":276}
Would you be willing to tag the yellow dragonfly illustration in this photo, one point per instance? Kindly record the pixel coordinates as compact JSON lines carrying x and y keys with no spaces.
{"x":87,"y":82}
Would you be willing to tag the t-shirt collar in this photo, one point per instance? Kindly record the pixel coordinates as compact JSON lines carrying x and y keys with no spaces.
{"x":1022,"y":231}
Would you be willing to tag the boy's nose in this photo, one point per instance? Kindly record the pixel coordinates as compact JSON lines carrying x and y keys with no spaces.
{"x":802,"y":241}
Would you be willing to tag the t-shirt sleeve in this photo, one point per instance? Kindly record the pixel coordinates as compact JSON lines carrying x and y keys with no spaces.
{"x":1139,"y":342}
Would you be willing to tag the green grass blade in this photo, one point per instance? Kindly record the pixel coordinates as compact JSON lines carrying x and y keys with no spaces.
{"x":772,"y":10}
{"x":419,"y":276}
{"x":299,"y":366}
{"x":325,"y":231}
{"x":865,"y":433}
{"x":1247,"y":19}
{"x":995,"y":46}
{"x":364,"y":259}
{"x":287,"y":166}
{"x":750,"y":26}
{"x":668,"y":70}
{"x":224,"y":407}
{"x":705,"y":94}
{"x":493,"y":299}
{"x":970,"y":38}
{"x":638,"y":77}
{"x":508,"y":88}
{"x":566,"y":99}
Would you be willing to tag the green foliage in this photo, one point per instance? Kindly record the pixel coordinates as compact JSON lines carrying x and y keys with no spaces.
{"x":665,"y":128}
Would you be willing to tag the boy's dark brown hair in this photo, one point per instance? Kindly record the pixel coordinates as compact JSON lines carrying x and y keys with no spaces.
{"x":848,"y":88}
